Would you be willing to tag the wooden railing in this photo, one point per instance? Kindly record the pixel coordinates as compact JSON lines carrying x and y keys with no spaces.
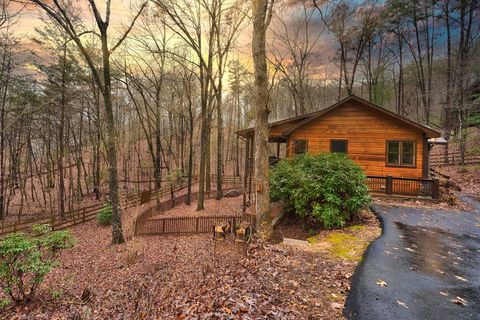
{"x":454,"y":158}
{"x":149,"y":222}
{"x":148,"y":195}
{"x":84,"y":214}
{"x":229,"y":181}
{"x":57,"y":222}
{"x":404,"y":186}
{"x":188,"y":224}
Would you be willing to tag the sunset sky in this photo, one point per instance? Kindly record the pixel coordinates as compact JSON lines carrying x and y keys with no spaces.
{"x":30,"y":18}
{"x":124,"y":10}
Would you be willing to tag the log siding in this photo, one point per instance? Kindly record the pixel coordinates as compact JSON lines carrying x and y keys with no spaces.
{"x":367,"y":132}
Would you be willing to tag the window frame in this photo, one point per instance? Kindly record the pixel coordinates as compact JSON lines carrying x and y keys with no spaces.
{"x":346,"y":145}
{"x":400,"y":154}
{"x":294,"y":146}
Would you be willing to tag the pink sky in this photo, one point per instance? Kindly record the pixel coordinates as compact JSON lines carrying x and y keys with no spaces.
{"x":30,"y":18}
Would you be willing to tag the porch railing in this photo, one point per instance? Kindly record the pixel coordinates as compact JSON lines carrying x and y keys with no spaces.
{"x":404,"y":186}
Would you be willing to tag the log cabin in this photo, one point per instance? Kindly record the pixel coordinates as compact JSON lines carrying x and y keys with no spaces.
{"x":381,"y":142}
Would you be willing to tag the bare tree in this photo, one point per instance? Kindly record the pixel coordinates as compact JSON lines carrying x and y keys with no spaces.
{"x":195,"y":25}
{"x":294,"y":49}
{"x":262,"y":15}
{"x":228,"y":23}
{"x":64,"y":15}
{"x":353,"y":25}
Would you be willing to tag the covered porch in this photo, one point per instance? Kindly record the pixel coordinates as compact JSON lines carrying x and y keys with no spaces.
{"x":277,"y":150}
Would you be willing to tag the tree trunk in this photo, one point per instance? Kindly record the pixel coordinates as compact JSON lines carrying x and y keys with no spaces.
{"x":261,"y":17}
{"x":208,"y":145}
{"x":219,"y":143}
{"x":61,"y":139}
{"x":448,"y":109}
{"x":98,"y":141}
{"x":190,"y":159}
{"x":6,"y":79}
{"x":158,"y":159}
{"x":117,"y":232}
{"x":203,"y":143}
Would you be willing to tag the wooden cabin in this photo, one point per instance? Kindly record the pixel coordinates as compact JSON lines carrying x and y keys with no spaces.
{"x":383,"y":143}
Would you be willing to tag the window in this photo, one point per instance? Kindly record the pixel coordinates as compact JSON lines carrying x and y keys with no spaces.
{"x":339,"y":146}
{"x":401,"y":153}
{"x":299,"y":146}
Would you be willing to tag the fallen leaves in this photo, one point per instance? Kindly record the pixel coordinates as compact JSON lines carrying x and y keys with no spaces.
{"x":460,"y":301}
{"x":381,"y":283}
{"x":336,"y":305}
{"x":189,"y":277}
{"x":403,"y":304}
{"x":467,"y":177}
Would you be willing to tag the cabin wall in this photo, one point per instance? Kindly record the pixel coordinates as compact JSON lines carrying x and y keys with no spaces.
{"x":367,"y":132}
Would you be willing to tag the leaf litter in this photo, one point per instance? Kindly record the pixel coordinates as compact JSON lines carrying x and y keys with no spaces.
{"x":187,"y":277}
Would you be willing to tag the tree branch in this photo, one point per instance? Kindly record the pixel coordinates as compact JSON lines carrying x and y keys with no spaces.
{"x":129,"y":28}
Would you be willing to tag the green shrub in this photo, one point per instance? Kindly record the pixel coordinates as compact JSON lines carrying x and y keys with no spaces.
{"x":26,"y":259}
{"x":328,"y":188}
{"x":104,"y":217}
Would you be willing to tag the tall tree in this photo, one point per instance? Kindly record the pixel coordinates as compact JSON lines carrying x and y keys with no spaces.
{"x":294,"y":49}
{"x":353,"y":25}
{"x":262,"y":15}
{"x":64,"y":15}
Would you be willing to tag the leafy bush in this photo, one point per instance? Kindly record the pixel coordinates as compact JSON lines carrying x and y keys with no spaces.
{"x":25,"y":260}
{"x":104,"y":217}
{"x":328,"y":188}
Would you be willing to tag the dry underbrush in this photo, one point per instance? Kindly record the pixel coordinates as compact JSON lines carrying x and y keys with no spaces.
{"x":188,"y":277}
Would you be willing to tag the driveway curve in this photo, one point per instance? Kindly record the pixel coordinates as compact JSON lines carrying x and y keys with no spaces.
{"x":426,"y":265}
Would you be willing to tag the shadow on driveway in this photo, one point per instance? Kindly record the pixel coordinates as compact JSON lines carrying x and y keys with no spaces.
{"x":430,"y":261}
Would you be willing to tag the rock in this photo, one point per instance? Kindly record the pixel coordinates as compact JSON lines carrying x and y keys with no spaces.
{"x":336,"y":305}
{"x":276,"y":211}
{"x":232,"y":193}
{"x":296,"y":242}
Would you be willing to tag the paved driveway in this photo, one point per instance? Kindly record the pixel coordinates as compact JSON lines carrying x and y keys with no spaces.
{"x":430,"y":261}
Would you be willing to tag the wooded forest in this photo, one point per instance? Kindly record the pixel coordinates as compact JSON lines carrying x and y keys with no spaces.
{"x":96,"y":103}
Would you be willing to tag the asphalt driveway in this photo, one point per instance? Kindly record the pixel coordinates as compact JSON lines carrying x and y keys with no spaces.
{"x":426,"y":265}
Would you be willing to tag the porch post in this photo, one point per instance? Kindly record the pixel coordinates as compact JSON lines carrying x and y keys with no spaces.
{"x":425,"y":158}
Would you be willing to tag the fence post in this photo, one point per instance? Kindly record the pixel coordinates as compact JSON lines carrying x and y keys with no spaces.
{"x":436,"y":189}
{"x":196,"y":225}
{"x":234,"y":225}
{"x":389,"y":186}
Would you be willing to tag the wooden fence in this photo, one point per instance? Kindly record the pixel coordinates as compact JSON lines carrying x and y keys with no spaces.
{"x":147,"y":223}
{"x":229,"y":182}
{"x":84,"y":214}
{"x":183,"y":225}
{"x":57,"y":222}
{"x":404,"y":186}
{"x":454,"y":158}
{"x":148,"y":195}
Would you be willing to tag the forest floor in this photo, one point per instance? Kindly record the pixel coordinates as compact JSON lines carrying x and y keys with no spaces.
{"x":195,"y":277}
{"x":467,"y":178}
